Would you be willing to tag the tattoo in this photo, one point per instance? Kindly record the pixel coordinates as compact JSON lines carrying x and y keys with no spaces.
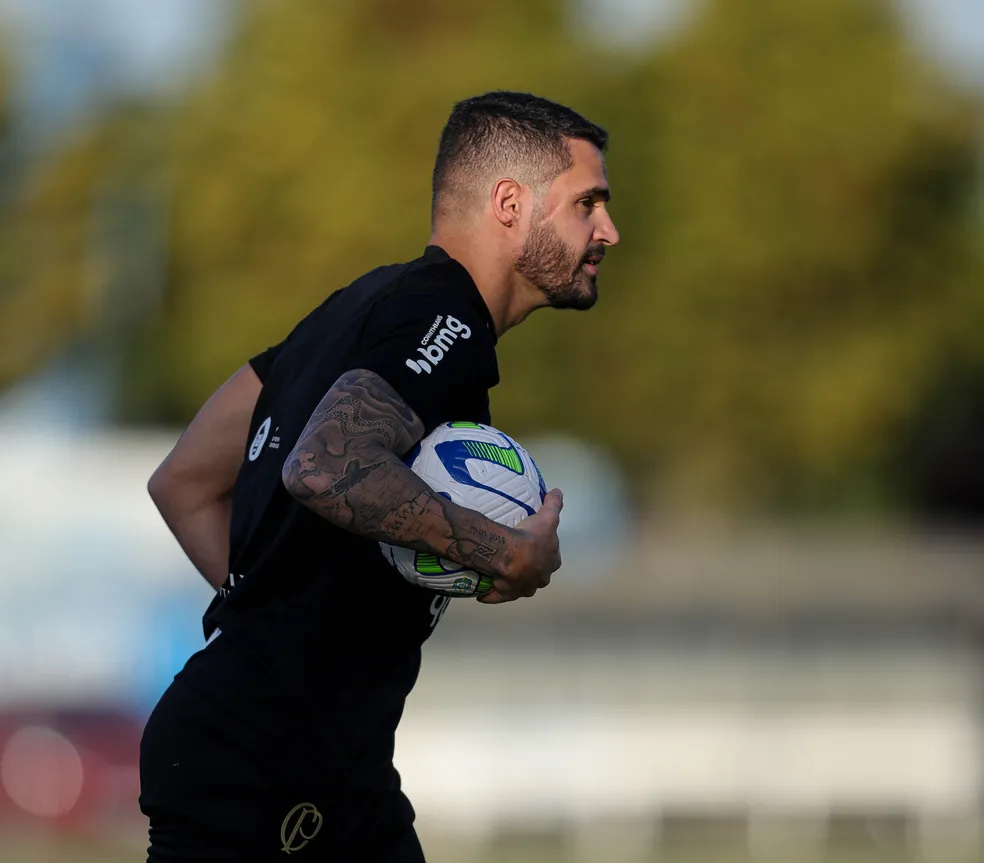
{"x":354,"y":474}
{"x":346,"y":467}
{"x":487,"y":535}
{"x":486,"y":552}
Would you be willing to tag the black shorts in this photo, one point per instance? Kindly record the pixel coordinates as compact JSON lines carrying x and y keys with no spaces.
{"x":212,"y":792}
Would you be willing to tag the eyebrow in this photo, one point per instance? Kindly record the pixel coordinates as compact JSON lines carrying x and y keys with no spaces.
{"x":602,"y":192}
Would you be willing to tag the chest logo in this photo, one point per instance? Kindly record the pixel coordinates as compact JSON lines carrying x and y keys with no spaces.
{"x":440,"y":341}
{"x":256,"y":447}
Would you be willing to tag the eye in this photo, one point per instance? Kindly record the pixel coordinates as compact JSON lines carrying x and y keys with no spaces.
{"x":586,"y":203}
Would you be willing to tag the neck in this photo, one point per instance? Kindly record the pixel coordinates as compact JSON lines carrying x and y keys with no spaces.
{"x":509,"y":297}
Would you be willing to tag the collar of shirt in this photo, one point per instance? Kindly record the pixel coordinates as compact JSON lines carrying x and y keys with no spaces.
{"x":436,"y":254}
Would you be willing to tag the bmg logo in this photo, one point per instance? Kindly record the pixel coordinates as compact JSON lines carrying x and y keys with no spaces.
{"x":443,"y":340}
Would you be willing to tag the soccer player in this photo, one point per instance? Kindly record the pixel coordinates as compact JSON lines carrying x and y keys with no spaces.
{"x":277,"y":737}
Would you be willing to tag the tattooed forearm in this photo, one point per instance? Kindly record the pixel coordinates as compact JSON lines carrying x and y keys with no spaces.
{"x":346,"y":467}
{"x":429,"y":522}
{"x":354,"y":474}
{"x":485,"y":552}
{"x":488,"y":536}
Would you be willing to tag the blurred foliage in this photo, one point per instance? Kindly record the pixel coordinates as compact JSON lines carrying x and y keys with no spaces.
{"x":65,"y":242}
{"x":800,"y":264}
{"x":45,"y":259}
{"x":4,"y":94}
{"x":307,"y":161}
{"x":800,"y":259}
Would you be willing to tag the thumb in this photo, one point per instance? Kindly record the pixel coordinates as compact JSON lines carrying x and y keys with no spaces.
{"x":554,"y":500}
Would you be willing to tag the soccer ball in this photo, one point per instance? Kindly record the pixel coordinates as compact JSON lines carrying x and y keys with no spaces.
{"x":478,"y":467}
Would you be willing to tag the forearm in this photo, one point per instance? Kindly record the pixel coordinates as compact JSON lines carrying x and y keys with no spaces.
{"x":202,"y":531}
{"x":346,"y":468}
{"x":193,"y":486}
{"x":371,"y":492}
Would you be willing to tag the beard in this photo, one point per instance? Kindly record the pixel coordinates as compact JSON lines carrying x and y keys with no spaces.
{"x":557,"y":270}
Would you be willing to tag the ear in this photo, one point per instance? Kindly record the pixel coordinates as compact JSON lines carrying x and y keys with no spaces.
{"x":507,"y":202}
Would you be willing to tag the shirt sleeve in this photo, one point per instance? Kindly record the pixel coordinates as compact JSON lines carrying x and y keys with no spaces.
{"x":262,"y":363}
{"x":431,"y":349}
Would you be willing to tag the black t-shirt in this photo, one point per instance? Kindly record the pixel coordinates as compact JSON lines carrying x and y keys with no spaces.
{"x":320,"y":636}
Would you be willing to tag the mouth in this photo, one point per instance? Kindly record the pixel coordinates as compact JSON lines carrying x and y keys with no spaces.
{"x":591,"y":263}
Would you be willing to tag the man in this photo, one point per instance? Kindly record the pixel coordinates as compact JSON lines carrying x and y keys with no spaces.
{"x":277,"y":738}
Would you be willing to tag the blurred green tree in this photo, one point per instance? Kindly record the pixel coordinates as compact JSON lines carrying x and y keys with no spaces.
{"x":44,"y":245}
{"x":4,"y":93}
{"x":61,"y":259}
{"x":801,"y":257}
{"x":306,"y":161}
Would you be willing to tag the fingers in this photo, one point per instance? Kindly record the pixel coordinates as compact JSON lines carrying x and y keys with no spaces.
{"x":510,"y":593}
{"x":545,"y":555}
{"x":493,"y":597}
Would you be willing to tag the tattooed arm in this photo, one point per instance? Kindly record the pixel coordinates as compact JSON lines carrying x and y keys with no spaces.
{"x":347,"y":468}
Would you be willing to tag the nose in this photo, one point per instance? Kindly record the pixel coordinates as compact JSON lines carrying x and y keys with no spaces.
{"x":606,"y":232}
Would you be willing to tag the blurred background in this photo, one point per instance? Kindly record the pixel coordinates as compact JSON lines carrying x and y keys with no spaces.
{"x":767,"y":638}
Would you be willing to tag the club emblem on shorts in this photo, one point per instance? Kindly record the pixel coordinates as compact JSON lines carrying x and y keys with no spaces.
{"x":301,"y":825}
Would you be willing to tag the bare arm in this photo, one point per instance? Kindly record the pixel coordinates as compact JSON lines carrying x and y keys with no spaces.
{"x":347,"y":468}
{"x":192,"y":488}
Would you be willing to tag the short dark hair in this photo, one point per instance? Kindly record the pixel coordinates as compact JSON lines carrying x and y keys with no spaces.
{"x":504,"y":132}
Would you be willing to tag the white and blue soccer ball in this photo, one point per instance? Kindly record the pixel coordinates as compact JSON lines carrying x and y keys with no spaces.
{"x":478,"y":467}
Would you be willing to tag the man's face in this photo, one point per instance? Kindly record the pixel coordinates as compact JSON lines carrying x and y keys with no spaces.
{"x":569,"y":233}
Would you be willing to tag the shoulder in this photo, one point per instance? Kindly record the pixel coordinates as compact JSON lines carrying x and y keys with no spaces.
{"x":430,"y":297}
{"x":425,"y":279}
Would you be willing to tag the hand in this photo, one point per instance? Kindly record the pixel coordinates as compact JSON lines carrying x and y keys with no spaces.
{"x":537,"y":556}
